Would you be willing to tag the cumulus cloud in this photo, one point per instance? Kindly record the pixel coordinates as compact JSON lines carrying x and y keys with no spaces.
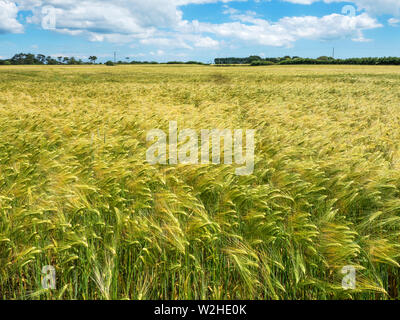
{"x":151,"y":22}
{"x":371,"y":6}
{"x":108,"y":17}
{"x":289,"y":29}
{"x":394,"y":22}
{"x":160,"y":23}
{"x":8,"y":18}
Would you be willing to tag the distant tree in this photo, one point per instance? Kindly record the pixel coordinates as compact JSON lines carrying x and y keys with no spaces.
{"x":232,"y":60}
{"x":72,"y":60}
{"x":93,"y":59}
{"x":193,"y":62}
{"x":109,"y":63}
{"x":175,"y":62}
{"x":18,"y":58}
{"x":262,"y":63}
{"x":41,"y":58}
{"x":51,"y":61}
{"x":253,"y":58}
{"x":324,"y":58}
{"x":26,"y":58}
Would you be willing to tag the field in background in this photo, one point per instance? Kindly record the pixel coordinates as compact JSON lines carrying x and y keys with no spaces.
{"x":76,"y":191}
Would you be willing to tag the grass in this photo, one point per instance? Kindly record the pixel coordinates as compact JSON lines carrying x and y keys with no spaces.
{"x":76,"y":192}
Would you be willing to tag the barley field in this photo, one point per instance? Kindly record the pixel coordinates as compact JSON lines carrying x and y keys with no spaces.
{"x":76,"y":192}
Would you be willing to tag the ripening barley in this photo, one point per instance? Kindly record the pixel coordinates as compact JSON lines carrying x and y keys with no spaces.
{"x":77,"y":193}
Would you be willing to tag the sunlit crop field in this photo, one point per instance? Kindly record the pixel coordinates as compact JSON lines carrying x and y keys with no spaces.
{"x":76,"y":192}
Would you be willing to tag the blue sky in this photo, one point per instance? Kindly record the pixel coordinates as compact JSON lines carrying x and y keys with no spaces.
{"x":164,"y":30}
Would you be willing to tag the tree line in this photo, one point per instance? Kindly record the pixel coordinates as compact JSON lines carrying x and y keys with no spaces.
{"x":287,"y":60}
{"x":350,"y":61}
{"x":41,"y":59}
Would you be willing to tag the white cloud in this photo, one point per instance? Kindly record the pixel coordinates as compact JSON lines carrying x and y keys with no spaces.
{"x":205,"y":42}
{"x":150,"y":22}
{"x":118,"y":16}
{"x":288,"y":30}
{"x":394,"y":22}
{"x":371,"y":6}
{"x":160,"y":23}
{"x":229,"y":10}
{"x":8,"y":18}
{"x":158,"y":53}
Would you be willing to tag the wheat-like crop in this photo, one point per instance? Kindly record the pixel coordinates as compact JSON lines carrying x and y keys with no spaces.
{"x":77,"y":193}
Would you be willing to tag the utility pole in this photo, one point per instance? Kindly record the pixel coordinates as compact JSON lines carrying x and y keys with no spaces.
{"x":333,"y":53}
{"x":115,"y":57}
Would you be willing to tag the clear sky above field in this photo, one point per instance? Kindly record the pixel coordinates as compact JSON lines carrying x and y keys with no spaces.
{"x":164,"y":30}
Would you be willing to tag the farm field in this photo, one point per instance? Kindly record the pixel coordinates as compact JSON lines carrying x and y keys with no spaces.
{"x":76,"y":192}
